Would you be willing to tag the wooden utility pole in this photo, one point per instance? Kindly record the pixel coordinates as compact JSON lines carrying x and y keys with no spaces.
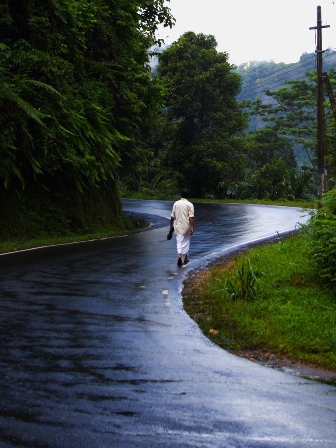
{"x":320,"y":107}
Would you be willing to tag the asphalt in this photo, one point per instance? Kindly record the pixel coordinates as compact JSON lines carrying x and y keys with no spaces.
{"x":97,"y":351}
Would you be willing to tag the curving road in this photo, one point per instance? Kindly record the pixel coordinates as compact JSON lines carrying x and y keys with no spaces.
{"x":96,"y":350}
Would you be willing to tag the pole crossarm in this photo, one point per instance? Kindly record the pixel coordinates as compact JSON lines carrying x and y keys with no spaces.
{"x":319,"y":27}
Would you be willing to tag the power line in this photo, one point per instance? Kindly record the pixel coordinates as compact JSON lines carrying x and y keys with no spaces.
{"x":287,"y":70}
{"x":285,"y":74}
{"x":277,"y":73}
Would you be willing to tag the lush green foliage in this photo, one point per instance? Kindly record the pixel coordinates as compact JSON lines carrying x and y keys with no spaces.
{"x":269,"y":180}
{"x":76,"y":92}
{"x":323,"y":234}
{"x":205,"y":147}
{"x":200,"y":149}
{"x":267,"y":144}
{"x":300,"y":185}
{"x":293,"y":315}
{"x":75,"y":85}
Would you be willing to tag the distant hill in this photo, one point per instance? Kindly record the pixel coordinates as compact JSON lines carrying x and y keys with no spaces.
{"x":258,"y":76}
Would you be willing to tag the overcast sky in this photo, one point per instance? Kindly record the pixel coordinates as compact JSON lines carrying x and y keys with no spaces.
{"x":255,"y":30}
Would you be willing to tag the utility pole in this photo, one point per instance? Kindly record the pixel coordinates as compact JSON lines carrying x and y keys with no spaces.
{"x":320,"y":107}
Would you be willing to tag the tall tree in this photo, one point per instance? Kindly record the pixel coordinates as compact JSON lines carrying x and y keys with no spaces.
{"x":201,"y":88}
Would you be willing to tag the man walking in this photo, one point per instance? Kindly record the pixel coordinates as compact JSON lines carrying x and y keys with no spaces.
{"x":182,"y":217}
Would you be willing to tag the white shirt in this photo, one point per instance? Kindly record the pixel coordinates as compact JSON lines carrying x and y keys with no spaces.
{"x":182,"y":211}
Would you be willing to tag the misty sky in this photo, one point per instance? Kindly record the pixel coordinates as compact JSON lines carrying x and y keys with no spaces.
{"x":255,"y":30}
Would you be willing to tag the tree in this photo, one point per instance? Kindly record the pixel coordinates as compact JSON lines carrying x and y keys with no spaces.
{"x":76,"y":95}
{"x":206,"y":147}
{"x":300,"y":185}
{"x":265,"y":145}
{"x":270,"y":181}
{"x":293,"y":111}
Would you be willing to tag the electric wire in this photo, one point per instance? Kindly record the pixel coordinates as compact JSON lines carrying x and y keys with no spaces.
{"x":300,"y":68}
{"x":285,"y":74}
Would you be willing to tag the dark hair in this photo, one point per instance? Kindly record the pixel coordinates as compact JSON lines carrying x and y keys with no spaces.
{"x":184,"y":192}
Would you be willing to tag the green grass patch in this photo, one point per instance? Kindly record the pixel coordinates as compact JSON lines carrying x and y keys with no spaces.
{"x":289,"y":312}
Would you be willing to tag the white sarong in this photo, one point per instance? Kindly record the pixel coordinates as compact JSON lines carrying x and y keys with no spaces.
{"x":183,"y":243}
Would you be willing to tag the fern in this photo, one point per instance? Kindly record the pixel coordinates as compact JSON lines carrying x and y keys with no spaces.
{"x":30,"y":110}
{"x":43,"y":85}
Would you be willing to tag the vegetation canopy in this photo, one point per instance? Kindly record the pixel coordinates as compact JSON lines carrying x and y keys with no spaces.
{"x":75,"y":83}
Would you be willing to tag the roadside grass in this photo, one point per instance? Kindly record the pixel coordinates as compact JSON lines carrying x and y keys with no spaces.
{"x":123,"y":226}
{"x":288,"y":312}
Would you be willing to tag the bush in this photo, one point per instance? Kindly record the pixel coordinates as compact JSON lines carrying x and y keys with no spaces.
{"x":245,"y":285}
{"x":323,"y":233}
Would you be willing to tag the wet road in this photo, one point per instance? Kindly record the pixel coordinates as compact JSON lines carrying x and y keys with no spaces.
{"x":96,"y":350}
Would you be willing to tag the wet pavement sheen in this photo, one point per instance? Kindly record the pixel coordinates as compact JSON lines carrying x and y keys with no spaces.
{"x":97,"y":351}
